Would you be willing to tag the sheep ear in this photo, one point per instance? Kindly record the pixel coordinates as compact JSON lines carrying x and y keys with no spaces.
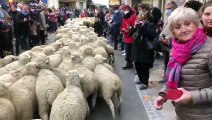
{"x":6,"y":85}
{"x":104,"y":58}
{"x":31,"y":55}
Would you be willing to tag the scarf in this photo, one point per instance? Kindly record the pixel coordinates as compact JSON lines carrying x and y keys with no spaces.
{"x":181,"y":53}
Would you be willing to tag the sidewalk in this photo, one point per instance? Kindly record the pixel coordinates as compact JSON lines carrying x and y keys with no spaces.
{"x":149,"y":95}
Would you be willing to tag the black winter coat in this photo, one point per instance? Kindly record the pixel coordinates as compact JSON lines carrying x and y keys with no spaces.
{"x":140,"y":51}
{"x":23,"y":26}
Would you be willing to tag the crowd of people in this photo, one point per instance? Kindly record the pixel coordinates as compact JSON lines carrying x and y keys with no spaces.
{"x":25,"y":25}
{"x":140,"y":33}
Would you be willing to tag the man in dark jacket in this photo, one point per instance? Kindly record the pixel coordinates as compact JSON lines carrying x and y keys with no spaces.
{"x":116,"y":26}
{"x":23,"y":20}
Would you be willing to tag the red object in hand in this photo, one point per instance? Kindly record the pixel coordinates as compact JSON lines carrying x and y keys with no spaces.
{"x":173,"y":94}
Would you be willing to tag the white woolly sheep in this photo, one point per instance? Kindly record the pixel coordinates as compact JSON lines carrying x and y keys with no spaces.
{"x":48,"y":86}
{"x":7,"y":110}
{"x":109,"y":84}
{"x":101,"y":50}
{"x":88,"y":61}
{"x":66,"y":64}
{"x":11,"y":77}
{"x":23,"y":59}
{"x":23,"y":92}
{"x":55,"y":60}
{"x":48,"y":50}
{"x":71,"y":103}
{"x":88,"y":82}
{"x":7,"y":59}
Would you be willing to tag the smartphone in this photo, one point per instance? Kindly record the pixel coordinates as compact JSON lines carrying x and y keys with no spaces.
{"x":173,"y":94}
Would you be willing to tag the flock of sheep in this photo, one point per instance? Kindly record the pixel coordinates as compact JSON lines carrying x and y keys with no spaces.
{"x":55,"y":80}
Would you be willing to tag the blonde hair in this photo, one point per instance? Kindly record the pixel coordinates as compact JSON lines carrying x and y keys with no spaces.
{"x":183,"y":13}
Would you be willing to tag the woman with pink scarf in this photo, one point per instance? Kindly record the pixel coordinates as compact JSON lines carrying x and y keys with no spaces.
{"x":189,"y":72}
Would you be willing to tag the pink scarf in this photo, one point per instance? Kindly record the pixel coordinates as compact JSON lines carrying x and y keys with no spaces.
{"x":181,"y":53}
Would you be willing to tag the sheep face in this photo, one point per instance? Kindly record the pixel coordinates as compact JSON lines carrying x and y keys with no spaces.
{"x":76,"y":58}
{"x":49,"y":50}
{"x":42,"y":60}
{"x":31,"y":68}
{"x":10,"y":58}
{"x":73,"y":78}
{"x":88,"y":51}
{"x":24,"y":58}
{"x":99,"y":59}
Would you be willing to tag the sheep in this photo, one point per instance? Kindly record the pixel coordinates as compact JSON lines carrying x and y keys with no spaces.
{"x":11,"y":77}
{"x":111,"y":54}
{"x":101,"y":50}
{"x":7,"y":59}
{"x":109,"y":84}
{"x":88,"y":82}
{"x":71,"y":103}
{"x":55,"y":60}
{"x":66,"y":64}
{"x":89,"y":62}
{"x":23,"y":59}
{"x":7,"y":110}
{"x":48,"y":86}
{"x":48,"y":50}
{"x":23,"y":92}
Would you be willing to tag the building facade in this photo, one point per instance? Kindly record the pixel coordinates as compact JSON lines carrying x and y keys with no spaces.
{"x":80,"y":4}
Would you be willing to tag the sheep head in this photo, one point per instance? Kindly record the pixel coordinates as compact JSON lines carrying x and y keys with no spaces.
{"x":3,"y":88}
{"x":24,"y":58}
{"x":99,"y":59}
{"x":88,"y":51}
{"x":48,"y":50}
{"x":41,"y":59}
{"x":17,"y":73}
{"x":73,"y":78}
{"x":10,"y":58}
{"x":76,"y":58}
{"x":31,"y":68}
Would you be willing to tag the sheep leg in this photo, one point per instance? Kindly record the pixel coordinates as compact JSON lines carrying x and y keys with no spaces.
{"x":113,"y":58}
{"x":43,"y":111}
{"x":110,"y":103}
{"x":118,"y":93}
{"x":94,"y":97}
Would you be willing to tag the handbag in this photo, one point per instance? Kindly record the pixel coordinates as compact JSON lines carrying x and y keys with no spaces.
{"x":154,"y":44}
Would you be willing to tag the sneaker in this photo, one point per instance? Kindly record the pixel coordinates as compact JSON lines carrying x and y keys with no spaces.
{"x":138,"y":82}
{"x":123,"y":54}
{"x":162,"y":81}
{"x":143,"y":87}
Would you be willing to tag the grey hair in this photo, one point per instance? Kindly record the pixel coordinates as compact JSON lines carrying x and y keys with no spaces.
{"x":183,"y":13}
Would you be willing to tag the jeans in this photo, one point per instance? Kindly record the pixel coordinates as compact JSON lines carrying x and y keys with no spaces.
{"x":23,"y":41}
{"x":128,"y":51}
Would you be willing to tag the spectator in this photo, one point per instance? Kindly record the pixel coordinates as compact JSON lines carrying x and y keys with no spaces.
{"x":143,"y":58}
{"x":115,"y":26}
{"x":207,"y":18}
{"x":189,"y":69}
{"x":101,"y":16}
{"x":5,"y":33}
{"x":19,"y":6}
{"x":13,"y":13}
{"x":52,"y":21}
{"x":128,"y":22}
{"x":166,"y":36}
{"x":23,"y":21}
{"x":98,"y":27}
{"x":195,"y":5}
{"x":43,"y":26}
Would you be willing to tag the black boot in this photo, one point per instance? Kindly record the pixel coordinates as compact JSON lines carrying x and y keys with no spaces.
{"x":128,"y":65}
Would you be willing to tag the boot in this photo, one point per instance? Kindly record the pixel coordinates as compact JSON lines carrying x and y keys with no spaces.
{"x":128,"y":65}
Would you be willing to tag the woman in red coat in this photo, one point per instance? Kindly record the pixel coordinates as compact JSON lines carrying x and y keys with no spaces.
{"x":128,"y":21}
